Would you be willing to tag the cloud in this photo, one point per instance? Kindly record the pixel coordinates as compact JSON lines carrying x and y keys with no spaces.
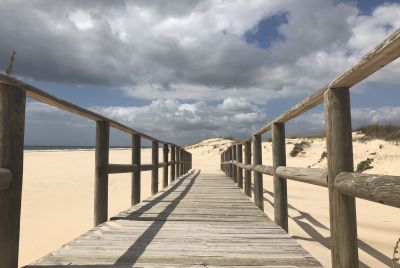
{"x":166,"y":119}
{"x":192,"y":50}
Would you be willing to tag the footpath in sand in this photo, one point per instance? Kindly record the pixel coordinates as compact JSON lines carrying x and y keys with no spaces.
{"x":57,"y":203}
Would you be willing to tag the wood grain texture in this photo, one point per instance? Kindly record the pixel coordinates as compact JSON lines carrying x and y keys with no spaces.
{"x":165,"y":167}
{"x":257,"y":176}
{"x":234,"y":158}
{"x":280,"y":186}
{"x":12,"y":123}
{"x":49,"y":99}
{"x":201,"y":220}
{"x":239,"y":170}
{"x":172,"y":169}
{"x":136,"y":175}
{"x":6,"y":178}
{"x":101,"y":174}
{"x":342,"y":208}
{"x":121,"y":168}
{"x":154,"y":170}
{"x":178,"y":159}
{"x":247,"y":173}
{"x":382,"y":189}
{"x":315,"y":176}
{"x":383,"y":54}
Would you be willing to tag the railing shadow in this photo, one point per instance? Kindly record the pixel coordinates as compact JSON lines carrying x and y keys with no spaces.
{"x":323,"y":240}
{"x":134,"y":252}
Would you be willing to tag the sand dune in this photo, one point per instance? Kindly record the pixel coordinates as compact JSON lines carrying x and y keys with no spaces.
{"x":58,"y":197}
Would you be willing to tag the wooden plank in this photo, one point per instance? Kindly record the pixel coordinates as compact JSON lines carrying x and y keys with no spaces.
{"x":234,"y":168}
{"x":6,"y":178}
{"x":342,"y":208}
{"x":239,"y":171}
{"x":247,"y":173}
{"x":172,"y":175}
{"x":49,"y":99}
{"x":165,"y":167}
{"x":382,"y":189}
{"x":136,"y":175}
{"x":121,"y":168}
{"x":280,"y":187}
{"x":12,"y":123}
{"x":257,"y":176}
{"x":101,"y":174}
{"x":178,"y":159}
{"x":154,"y":171}
{"x":196,"y":221}
{"x":315,"y":176}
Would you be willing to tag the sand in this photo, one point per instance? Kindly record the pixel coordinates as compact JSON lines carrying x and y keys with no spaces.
{"x":57,"y":203}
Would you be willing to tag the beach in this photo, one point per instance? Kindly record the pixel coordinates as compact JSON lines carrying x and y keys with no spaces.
{"x":57,"y":203}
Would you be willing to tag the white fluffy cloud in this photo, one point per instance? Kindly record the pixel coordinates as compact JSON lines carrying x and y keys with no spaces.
{"x":191,"y":49}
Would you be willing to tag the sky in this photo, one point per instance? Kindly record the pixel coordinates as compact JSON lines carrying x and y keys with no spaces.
{"x":188,"y":70}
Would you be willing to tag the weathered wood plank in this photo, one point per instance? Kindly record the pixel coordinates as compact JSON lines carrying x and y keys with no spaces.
{"x":377,"y":188}
{"x":342,"y":208}
{"x":6,"y":178}
{"x":154,"y":170}
{"x":101,"y":174}
{"x":12,"y":125}
{"x":315,"y":176}
{"x":197,"y":221}
{"x":121,"y":168}
{"x":257,"y":176}
{"x":136,"y":175}
{"x":247,"y":173}
{"x":280,"y":187}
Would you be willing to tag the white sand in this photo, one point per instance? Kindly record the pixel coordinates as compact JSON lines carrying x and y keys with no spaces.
{"x":57,"y":200}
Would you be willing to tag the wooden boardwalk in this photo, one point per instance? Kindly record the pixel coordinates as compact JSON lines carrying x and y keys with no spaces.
{"x":201,"y":220}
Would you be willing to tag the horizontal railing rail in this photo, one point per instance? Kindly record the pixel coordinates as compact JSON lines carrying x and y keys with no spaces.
{"x":13,"y":95}
{"x":343,"y":183}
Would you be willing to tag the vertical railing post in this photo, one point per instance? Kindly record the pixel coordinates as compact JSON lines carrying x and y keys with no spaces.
{"x":154,"y":171}
{"x":182,"y":168}
{"x":184,"y":162}
{"x":172,"y":172}
{"x":178,"y":164}
{"x":136,"y":160}
{"x":165,"y":167}
{"x":280,"y":187}
{"x":230,"y":159}
{"x":234,"y":169}
{"x":12,"y":125}
{"x":101,"y":173}
{"x":239,"y":171}
{"x":258,"y":178}
{"x":247,"y":173}
{"x":342,"y":208}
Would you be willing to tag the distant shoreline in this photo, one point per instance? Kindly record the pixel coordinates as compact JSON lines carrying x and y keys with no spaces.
{"x":68,"y":148}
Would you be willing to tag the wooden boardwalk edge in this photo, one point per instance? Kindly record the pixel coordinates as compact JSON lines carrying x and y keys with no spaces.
{"x":200,"y":220}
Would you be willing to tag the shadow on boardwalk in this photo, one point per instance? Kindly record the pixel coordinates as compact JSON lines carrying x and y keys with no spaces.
{"x":325,"y":241}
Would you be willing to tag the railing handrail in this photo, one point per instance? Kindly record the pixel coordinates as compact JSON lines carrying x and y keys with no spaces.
{"x":343,"y":183}
{"x":383,"y":54}
{"x":44,"y":97}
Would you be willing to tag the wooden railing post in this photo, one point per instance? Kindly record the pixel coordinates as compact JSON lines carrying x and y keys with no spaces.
{"x":239,"y":171}
{"x":342,"y":208}
{"x":234,"y":169}
{"x":101,"y":174}
{"x":258,"y":177}
{"x":165,"y":167}
{"x":280,"y":187}
{"x":172,"y":172}
{"x":231,"y":166}
{"x":181,"y":172}
{"x":178,"y":159}
{"x":12,"y":125}
{"x":136,"y":160}
{"x":247,"y":173}
{"x":154,"y":171}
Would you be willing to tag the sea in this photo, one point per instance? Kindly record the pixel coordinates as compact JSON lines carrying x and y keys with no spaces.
{"x":29,"y":148}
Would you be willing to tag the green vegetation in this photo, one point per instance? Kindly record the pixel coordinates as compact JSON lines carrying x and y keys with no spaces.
{"x":396,"y":257}
{"x":299,"y":147}
{"x":384,"y":132}
{"x":10,"y":67}
{"x":364,"y":165}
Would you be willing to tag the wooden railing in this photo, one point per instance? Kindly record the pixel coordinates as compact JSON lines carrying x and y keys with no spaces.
{"x":343,"y":184}
{"x":13,"y":95}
